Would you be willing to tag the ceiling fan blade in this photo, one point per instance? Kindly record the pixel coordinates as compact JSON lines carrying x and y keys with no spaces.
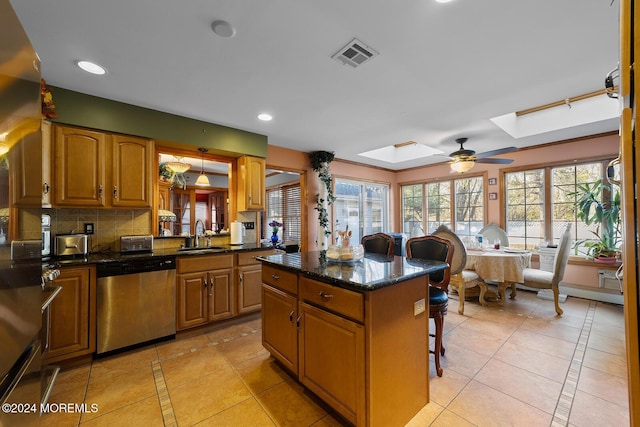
{"x":495,"y":161}
{"x":496,"y":152}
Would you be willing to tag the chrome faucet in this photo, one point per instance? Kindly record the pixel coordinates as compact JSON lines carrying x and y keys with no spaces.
{"x":195,"y":231}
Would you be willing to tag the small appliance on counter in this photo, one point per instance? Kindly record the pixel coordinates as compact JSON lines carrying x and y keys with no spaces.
{"x":237,"y":232}
{"x":142,"y":243}
{"x":71,"y":245}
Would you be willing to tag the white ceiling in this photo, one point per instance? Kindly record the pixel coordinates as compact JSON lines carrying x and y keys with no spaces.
{"x":442,"y":72}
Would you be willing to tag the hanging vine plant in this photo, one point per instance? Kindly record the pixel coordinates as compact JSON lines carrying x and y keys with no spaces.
{"x":320,"y":164}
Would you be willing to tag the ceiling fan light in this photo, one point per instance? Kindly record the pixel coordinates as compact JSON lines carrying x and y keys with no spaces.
{"x":462,"y":166}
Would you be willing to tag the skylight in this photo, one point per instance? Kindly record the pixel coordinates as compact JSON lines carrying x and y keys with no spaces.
{"x":401,"y":152}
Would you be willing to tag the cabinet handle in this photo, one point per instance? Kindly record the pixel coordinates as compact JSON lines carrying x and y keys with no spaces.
{"x":240,"y":278}
{"x":291,"y":316}
{"x":206,"y":283}
{"x":46,"y":188}
{"x":298,"y":322}
{"x":275,"y":276}
{"x":115,"y":191}
{"x":100,"y":191}
{"x":325,"y":296}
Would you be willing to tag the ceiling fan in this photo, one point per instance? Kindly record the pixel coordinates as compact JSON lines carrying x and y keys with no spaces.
{"x":463,"y":159}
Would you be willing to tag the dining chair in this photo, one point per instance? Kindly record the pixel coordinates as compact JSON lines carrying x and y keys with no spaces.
{"x":461,"y":279}
{"x":440,"y":249}
{"x":378,"y":243}
{"x":491,"y":232}
{"x":541,"y":279}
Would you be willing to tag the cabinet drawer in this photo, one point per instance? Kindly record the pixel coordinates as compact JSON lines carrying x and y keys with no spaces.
{"x":191,"y":263}
{"x":338,"y":300}
{"x":281,"y":279}
{"x":248,"y":258}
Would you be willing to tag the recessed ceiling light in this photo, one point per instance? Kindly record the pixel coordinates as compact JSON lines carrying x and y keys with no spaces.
{"x":265,"y":117}
{"x":91,"y":67}
{"x":223,"y":29}
{"x":443,"y":1}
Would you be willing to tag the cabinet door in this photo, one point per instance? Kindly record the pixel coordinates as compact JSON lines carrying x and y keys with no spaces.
{"x":25,"y":171}
{"x":192,"y":300}
{"x":221,"y":294}
{"x":249,"y":288}
{"x":332,"y":361}
{"x":132,"y":172}
{"x":72,"y":315}
{"x":279,"y":330}
{"x":46,"y":163}
{"x":251,"y":183}
{"x":79,"y":174}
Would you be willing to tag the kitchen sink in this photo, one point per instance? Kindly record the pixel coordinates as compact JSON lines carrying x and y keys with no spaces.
{"x":202,"y":249}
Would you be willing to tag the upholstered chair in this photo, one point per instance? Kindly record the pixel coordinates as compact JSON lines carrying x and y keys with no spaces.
{"x":379,"y":243}
{"x":435,"y":248}
{"x":540,"y":279}
{"x":491,"y":232}
{"x":461,"y":279}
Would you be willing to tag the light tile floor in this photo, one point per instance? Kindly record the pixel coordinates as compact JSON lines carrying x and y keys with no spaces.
{"x":515,"y":364}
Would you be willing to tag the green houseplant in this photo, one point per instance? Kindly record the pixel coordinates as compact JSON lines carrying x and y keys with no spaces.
{"x":598,"y":203}
{"x":320,"y":164}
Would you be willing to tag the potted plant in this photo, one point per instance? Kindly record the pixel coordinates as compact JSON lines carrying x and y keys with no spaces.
{"x":164,"y":172}
{"x":599,"y":204}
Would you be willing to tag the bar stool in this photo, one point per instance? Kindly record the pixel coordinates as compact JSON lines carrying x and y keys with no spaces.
{"x":379,"y":243}
{"x":439,"y":249}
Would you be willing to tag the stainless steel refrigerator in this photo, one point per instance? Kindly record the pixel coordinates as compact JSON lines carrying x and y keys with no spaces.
{"x":21,"y":294}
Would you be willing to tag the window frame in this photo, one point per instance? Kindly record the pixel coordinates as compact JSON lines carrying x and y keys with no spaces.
{"x":386,"y":220}
{"x":548,"y":191}
{"x":483,"y":175}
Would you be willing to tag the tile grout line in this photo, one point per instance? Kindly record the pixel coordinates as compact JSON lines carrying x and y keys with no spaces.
{"x":568,"y":392}
{"x":166,"y":407}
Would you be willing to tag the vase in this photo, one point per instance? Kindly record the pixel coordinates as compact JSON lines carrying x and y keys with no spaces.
{"x":274,"y":238}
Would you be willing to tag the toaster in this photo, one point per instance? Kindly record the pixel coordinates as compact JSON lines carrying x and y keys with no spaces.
{"x":71,"y":245}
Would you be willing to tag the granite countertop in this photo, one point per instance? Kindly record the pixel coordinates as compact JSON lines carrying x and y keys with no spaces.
{"x":374,"y":271}
{"x":111,"y":256}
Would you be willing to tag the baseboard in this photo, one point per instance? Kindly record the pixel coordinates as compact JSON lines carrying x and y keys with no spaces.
{"x":596,"y":294}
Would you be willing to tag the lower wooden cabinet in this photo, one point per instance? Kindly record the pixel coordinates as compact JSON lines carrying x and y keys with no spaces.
{"x":332,"y":360}
{"x":204,"y":290}
{"x":72,"y":315}
{"x":279,"y":326}
{"x":249,"y":280}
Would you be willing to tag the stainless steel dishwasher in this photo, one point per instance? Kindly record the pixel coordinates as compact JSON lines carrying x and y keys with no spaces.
{"x":136,"y":299}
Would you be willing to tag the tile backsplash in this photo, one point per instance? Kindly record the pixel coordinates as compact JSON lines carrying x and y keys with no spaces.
{"x":109,"y":224}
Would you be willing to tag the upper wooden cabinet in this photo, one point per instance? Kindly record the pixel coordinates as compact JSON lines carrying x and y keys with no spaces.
{"x":96,"y":169}
{"x":251,"y":183}
{"x":132,"y":171}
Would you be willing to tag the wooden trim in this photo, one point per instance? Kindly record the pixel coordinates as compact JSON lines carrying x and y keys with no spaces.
{"x":566,"y":101}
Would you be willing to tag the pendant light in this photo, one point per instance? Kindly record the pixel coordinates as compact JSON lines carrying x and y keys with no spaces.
{"x":178,"y":166}
{"x":203,"y":179}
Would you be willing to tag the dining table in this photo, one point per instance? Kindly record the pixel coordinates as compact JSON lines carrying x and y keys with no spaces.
{"x":504,"y":266}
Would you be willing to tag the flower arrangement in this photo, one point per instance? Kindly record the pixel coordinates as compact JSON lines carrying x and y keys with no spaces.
{"x":46,"y":99}
{"x":275,"y":226}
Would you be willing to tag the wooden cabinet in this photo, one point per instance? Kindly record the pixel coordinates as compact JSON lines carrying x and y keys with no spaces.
{"x":25,"y":171}
{"x":47,"y":141}
{"x":249,"y":275}
{"x":332,"y":360}
{"x":251,"y":183}
{"x":339,"y":343}
{"x":72,"y":315}
{"x":279,"y":326}
{"x":132,"y":171}
{"x":95,"y":169}
{"x":205,"y":289}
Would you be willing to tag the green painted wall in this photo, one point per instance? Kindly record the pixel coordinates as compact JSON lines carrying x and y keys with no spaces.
{"x":79,"y":109}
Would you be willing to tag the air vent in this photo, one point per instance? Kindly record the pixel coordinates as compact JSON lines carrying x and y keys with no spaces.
{"x":355,"y":53}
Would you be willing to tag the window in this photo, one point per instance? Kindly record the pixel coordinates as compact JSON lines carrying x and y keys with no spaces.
{"x":362,"y":206}
{"x":540,"y":202}
{"x":283,"y":206}
{"x":458,"y":204}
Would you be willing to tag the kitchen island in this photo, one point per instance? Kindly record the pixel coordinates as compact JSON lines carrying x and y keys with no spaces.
{"x":355,"y":334}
